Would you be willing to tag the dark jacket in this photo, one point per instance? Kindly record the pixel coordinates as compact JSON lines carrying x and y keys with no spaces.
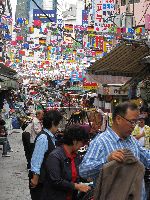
{"x":58,"y":180}
{"x":120,"y":181}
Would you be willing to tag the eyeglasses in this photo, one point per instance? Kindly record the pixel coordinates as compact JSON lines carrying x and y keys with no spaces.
{"x":132,"y":122}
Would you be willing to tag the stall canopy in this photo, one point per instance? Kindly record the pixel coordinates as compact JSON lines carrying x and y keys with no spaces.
{"x":123,"y":60}
{"x":6,"y":71}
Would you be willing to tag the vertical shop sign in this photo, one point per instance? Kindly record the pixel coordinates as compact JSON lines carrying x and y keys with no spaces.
{"x":104,"y":10}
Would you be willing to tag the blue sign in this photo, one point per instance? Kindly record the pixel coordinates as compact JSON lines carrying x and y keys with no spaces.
{"x":39,"y":15}
{"x":74,"y":76}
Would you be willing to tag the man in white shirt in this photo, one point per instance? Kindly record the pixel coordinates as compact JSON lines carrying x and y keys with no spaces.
{"x":30,"y":134}
{"x":35,"y":126}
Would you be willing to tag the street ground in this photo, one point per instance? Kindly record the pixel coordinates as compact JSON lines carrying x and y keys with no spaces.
{"x":13,"y":172}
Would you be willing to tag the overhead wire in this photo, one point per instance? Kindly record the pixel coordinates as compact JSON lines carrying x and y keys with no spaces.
{"x":144,"y":14}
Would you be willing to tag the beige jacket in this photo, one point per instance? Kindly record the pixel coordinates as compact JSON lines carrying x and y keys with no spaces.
{"x":120,"y":181}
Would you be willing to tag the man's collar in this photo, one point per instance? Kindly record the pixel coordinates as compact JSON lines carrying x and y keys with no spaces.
{"x":114,"y":135}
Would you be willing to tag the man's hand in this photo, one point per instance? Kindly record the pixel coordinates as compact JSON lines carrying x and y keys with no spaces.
{"x":34,"y":181}
{"x":116,"y":155}
{"x":82,"y":187}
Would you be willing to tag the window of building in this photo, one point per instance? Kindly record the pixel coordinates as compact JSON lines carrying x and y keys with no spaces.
{"x":123,"y":2}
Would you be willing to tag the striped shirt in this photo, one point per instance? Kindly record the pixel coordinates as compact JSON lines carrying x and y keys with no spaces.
{"x":101,"y":147}
{"x":41,"y":146}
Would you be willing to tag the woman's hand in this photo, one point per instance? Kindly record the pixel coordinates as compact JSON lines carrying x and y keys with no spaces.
{"x":82,"y":187}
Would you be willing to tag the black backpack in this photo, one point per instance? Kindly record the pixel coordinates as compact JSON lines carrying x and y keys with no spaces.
{"x":51,"y":147}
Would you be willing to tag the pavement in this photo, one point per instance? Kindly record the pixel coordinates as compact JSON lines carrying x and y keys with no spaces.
{"x":13,"y":172}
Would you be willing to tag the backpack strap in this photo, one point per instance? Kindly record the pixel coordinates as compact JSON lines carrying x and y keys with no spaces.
{"x":51,"y":147}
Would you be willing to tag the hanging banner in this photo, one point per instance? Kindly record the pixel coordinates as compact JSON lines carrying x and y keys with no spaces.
{"x":99,"y":42}
{"x":85,"y":14}
{"x":104,"y":9}
{"x":38,"y":15}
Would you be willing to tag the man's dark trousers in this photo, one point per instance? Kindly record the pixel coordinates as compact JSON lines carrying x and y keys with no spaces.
{"x":37,"y":191}
{"x":26,"y":144}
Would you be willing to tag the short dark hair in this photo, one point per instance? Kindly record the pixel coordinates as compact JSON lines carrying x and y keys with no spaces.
{"x":144,"y":109}
{"x":121,"y":109}
{"x":75,"y":133}
{"x":51,"y":117}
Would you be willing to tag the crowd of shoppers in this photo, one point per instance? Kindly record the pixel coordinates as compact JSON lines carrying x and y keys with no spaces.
{"x":57,"y":171}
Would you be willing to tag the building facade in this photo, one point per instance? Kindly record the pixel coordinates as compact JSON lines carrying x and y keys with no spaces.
{"x":22,"y":9}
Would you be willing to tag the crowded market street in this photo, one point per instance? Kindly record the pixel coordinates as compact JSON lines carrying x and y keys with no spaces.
{"x":74,"y":100}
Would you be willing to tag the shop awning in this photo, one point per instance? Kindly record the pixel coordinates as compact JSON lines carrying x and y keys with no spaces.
{"x":107,"y":79}
{"x":123,"y":60}
{"x":6,"y":71}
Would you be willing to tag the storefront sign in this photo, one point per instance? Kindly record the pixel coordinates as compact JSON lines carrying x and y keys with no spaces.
{"x":90,"y":86}
{"x":114,"y":91}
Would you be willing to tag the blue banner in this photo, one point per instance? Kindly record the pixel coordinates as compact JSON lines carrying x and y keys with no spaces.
{"x":38,"y":15}
{"x":85,"y":14}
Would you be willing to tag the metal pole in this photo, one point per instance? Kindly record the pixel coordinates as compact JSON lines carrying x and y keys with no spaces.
{"x":133,"y":7}
{"x":85,"y":4}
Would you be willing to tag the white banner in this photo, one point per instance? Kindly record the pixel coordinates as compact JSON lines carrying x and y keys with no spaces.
{"x":104,"y":10}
